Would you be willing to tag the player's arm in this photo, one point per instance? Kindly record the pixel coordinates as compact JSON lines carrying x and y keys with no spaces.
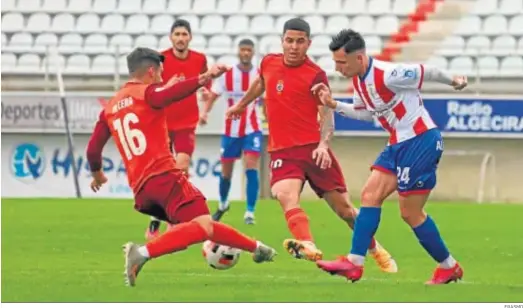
{"x":355,"y":110}
{"x":216,"y":91}
{"x":326,"y":113}
{"x":204,"y":70}
{"x":412,"y":76}
{"x":99,"y":138}
{"x":255,"y":90}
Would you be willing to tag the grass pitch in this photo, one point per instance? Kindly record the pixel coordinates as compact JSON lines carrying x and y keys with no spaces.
{"x":70,"y":251}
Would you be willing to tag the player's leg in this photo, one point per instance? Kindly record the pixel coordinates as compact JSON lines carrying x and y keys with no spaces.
{"x":416,"y":178}
{"x":184,"y":144}
{"x":230,"y":152}
{"x":251,"y":156}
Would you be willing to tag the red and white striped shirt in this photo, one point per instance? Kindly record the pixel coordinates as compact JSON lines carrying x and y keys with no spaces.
{"x":390,"y":91}
{"x":234,"y":84}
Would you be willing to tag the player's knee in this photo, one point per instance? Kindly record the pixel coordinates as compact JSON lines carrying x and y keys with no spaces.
{"x":412,"y":216}
{"x":287,"y":198}
{"x":206,"y":222}
{"x":371,"y":196}
{"x":251,"y":161}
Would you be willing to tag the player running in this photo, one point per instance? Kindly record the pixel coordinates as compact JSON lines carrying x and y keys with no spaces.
{"x":299,"y":144}
{"x":389,"y":93}
{"x":182,"y":118}
{"x":135,"y":119}
{"x":240,"y":136}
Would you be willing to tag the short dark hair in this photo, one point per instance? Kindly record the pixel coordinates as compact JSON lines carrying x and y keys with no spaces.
{"x":181,"y":23}
{"x":349,"y":39}
{"x":142,"y":57}
{"x":297,"y":24}
{"x":246,"y":42}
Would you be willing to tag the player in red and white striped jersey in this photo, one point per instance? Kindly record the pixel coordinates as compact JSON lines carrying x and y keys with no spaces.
{"x":390,"y":93}
{"x":242,"y":136}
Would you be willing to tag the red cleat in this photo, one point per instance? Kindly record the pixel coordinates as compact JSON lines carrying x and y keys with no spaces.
{"x":444,"y":276}
{"x":342,"y":267}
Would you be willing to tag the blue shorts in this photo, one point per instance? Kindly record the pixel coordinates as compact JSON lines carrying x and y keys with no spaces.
{"x":413,"y":161}
{"x":233,"y":147}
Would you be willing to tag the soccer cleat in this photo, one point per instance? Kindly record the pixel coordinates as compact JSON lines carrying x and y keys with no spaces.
{"x":249,"y":218}
{"x":263,"y":253}
{"x":134,"y":262}
{"x":342,"y":267}
{"x":153,"y":230}
{"x":446,"y":275}
{"x":303,"y":250}
{"x":384,"y":259}
{"x":220,"y":212}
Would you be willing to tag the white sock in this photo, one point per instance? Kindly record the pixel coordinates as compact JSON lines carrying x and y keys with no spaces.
{"x":449,"y":262}
{"x":223,"y":206}
{"x":248,"y":214}
{"x":357,"y":260}
{"x":144,"y":252}
{"x":154,"y":218}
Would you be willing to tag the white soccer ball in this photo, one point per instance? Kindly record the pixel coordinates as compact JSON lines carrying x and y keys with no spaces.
{"x":220,"y":256}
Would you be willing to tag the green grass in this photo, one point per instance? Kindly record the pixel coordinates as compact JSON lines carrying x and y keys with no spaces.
{"x":70,"y":250}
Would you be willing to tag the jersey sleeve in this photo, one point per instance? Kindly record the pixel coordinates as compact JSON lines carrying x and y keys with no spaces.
{"x":159,"y":97}
{"x":204,"y":69}
{"x":404,"y":76}
{"x":218,"y":85}
{"x":99,"y":138}
{"x":358,"y":102}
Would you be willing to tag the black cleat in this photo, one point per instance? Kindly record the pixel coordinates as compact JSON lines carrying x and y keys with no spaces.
{"x":218,"y":214}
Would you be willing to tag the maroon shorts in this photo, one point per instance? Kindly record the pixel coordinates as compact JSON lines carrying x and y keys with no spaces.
{"x":183,"y":140}
{"x":297,"y":163}
{"x":171,"y":197}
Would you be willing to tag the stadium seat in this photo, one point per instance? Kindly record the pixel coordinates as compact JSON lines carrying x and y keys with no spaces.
{"x":438,"y":61}
{"x":228,"y":7}
{"x":477,"y":45}
{"x":319,"y":45}
{"x":354,"y":7}
{"x":199,"y":43}
{"x":268,"y":42}
{"x":363,"y":24}
{"x":276,"y":7}
{"x":137,"y":24}
{"x":112,"y":23}
{"x":511,"y":66}
{"x":123,"y":43}
{"x":8,"y":6}
{"x":12,"y":22}
{"x":373,"y":44}
{"x":96,"y":43}
{"x":20,"y":42}
{"x":161,"y":24}
{"x":54,"y":6}
{"x":50,"y":63}
{"x":70,"y":43}
{"x":193,"y":20}
{"x":335,"y":23}
{"x":164,"y":43}
{"x":327,"y":7}
{"x":504,"y":45}
{"x":79,"y":6}
{"x":495,"y":24}
{"x":241,"y":37}
{"x":228,"y":59}
{"x":452,"y":45}
{"x":210,"y":60}
{"x":104,"y":6}
{"x":280,"y":21}
{"x":327,"y":65}
{"x":29,"y":6}
{"x":62,"y":23}
{"x":510,"y":7}
{"x":103,"y":64}
{"x":146,"y":40}
{"x":515,"y":26}
{"x":212,"y":24}
{"x":8,"y":62}
{"x":403,"y":7}
{"x":253,"y":7}
{"x":87,"y":23}
{"x":488,"y":66}
{"x":202,"y":7}
{"x":45,"y":42}
{"x":317,"y":23}
{"x":462,"y":65}
{"x":520,"y":46}
{"x":38,"y":22}
{"x":484,"y":7}
{"x":262,"y":24}
{"x":152,"y":7}
{"x":236,"y":24}
{"x":469,"y":25}
{"x":77,"y":64}
{"x":384,"y":24}
{"x":379,"y":7}
{"x":28,"y":63}
{"x":219,"y":45}
{"x":304,"y":7}
{"x":122,"y":65}
{"x":129,"y":7}
{"x":4,"y":40}
{"x":179,"y":6}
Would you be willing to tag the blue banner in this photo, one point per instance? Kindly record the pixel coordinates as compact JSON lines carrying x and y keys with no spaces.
{"x":457,"y":117}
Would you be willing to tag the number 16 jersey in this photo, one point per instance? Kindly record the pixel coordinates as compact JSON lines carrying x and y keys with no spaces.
{"x":140,"y":134}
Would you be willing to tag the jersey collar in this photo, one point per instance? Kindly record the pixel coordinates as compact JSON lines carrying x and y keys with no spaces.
{"x":362,"y":78}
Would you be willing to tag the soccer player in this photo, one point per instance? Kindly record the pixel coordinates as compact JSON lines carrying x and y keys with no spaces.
{"x":390,"y":93}
{"x":182,"y":118}
{"x":299,"y":143}
{"x":241,"y":136}
{"x":135,"y":119}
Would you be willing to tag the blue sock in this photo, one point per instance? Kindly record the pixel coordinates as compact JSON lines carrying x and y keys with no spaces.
{"x":225,"y":186}
{"x":365,"y":226}
{"x":253,"y":187}
{"x":429,"y":237}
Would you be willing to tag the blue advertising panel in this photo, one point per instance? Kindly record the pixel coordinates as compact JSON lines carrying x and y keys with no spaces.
{"x":461,"y":117}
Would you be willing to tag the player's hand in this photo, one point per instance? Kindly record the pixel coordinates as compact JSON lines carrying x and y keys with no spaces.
{"x":459,"y":82}
{"x":322,"y":156}
{"x":98,"y":180}
{"x":203,"y":118}
{"x":235,"y":112}
{"x":217,"y":70}
{"x":324,"y":94}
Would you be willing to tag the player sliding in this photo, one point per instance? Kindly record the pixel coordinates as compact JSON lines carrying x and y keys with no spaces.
{"x":389,"y":92}
{"x":298,"y":144}
{"x":241,"y":136}
{"x":135,"y":119}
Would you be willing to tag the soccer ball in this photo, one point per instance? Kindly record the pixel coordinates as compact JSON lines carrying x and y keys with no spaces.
{"x":220,"y":256}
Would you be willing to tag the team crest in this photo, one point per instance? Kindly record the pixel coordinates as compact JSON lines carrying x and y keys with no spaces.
{"x":279,"y":86}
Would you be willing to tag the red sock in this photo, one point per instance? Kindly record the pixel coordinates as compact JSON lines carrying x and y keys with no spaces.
{"x":178,"y":238}
{"x":298,"y":224}
{"x":372,"y":243}
{"x":226,"y":235}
